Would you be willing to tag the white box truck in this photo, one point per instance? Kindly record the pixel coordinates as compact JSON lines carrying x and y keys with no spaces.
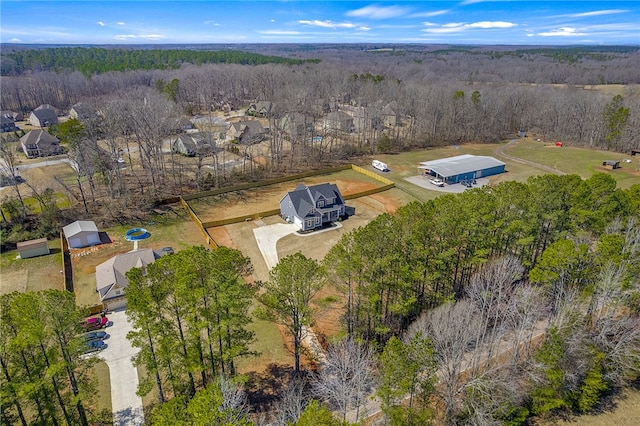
{"x":379,"y":165}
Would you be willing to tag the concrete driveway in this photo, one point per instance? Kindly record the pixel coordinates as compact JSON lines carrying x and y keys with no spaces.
{"x":267,"y":237}
{"x":126,"y":405}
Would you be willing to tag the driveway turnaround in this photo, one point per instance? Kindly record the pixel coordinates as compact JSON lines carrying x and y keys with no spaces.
{"x":126,"y":405}
{"x":267,"y":237}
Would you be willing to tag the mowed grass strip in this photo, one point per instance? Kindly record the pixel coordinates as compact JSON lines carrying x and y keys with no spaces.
{"x":581,"y":161}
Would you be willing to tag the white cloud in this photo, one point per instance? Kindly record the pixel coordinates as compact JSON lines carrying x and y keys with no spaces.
{"x":211,"y":22}
{"x":15,"y":40}
{"x":598,"y":13}
{"x":100,"y":23}
{"x":430,"y":14}
{"x":121,"y":23}
{"x":279,"y":32}
{"x":327,"y":24}
{"x":455,"y":27}
{"x":467,"y":2}
{"x":492,"y":24}
{"x":379,"y":12}
{"x":142,"y":36}
{"x":562,"y":32}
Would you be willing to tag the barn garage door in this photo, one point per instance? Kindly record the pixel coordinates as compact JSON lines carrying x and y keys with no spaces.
{"x":75,"y":242}
{"x":93,"y":239}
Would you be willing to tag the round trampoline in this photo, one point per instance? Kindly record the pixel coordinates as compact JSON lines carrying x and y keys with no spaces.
{"x":137,"y":234}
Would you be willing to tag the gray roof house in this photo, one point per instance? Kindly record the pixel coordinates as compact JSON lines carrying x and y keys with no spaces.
{"x":246,"y":132}
{"x":261,"y":108}
{"x":312,"y":207}
{"x":190,"y":145}
{"x":39,"y":143}
{"x":82,"y":233}
{"x":7,"y":123}
{"x":338,"y":120}
{"x":82,"y":111}
{"x":296,"y":124}
{"x":110,"y":275}
{"x":43,"y":116}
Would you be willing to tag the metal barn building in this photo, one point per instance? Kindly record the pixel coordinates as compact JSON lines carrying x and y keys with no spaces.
{"x":33,"y":248}
{"x":82,"y":233}
{"x":461,"y":167}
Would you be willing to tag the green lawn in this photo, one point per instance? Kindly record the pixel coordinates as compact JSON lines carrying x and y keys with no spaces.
{"x":33,"y":274}
{"x":580,"y":161}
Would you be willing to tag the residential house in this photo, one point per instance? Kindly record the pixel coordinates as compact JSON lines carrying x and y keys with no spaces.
{"x":39,"y":143}
{"x":82,"y":233}
{"x":33,"y":248}
{"x":338,"y":120}
{"x":389,"y":115}
{"x":43,"y":116}
{"x":295,"y":124}
{"x":190,"y":145}
{"x":246,"y":132}
{"x":111,"y":280}
{"x":260,"y":109}
{"x":312,"y":207}
{"x":7,"y":123}
{"x":82,"y":111}
{"x":17,"y":116}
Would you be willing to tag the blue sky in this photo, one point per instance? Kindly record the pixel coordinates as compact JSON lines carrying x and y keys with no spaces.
{"x":603,"y":22}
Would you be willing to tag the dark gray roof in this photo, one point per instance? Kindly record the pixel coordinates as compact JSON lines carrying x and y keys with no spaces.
{"x":304,"y":198}
{"x":39,"y":137}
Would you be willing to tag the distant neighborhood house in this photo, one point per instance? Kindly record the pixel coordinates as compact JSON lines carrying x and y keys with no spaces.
{"x":43,"y":116}
{"x":82,"y":111}
{"x":461,"y":167}
{"x":39,"y":143}
{"x":110,"y":275}
{"x":246,"y":132}
{"x":8,"y":121}
{"x":81,"y":233}
{"x":312,"y":207}
{"x":190,"y":145}
{"x":261,"y":108}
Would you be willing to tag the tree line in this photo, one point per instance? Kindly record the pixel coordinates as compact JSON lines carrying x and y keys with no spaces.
{"x":94,"y":60}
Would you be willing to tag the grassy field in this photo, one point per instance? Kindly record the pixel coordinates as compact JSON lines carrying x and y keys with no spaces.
{"x":33,"y":274}
{"x":625,"y":411}
{"x":580,"y":161}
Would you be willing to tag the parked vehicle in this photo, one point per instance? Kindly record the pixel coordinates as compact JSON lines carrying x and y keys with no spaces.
{"x":379,"y":165}
{"x":95,"y":335}
{"x":95,"y":323}
{"x":437,"y":182}
{"x":94,"y":346}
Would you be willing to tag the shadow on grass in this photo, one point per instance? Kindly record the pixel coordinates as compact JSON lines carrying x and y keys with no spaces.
{"x":265,"y":388}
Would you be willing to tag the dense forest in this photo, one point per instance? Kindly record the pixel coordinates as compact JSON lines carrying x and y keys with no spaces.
{"x":91,"y":61}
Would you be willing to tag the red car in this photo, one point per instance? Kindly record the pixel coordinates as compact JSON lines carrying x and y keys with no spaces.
{"x":95,"y":323}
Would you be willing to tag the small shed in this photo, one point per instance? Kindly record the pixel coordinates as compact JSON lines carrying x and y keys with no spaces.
{"x":33,"y":248}
{"x":611,"y":164}
{"x":635,"y":152}
{"x":82,"y":233}
{"x":559,"y":144}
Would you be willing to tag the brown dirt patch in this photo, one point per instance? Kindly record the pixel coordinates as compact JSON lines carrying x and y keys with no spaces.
{"x":238,"y":203}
